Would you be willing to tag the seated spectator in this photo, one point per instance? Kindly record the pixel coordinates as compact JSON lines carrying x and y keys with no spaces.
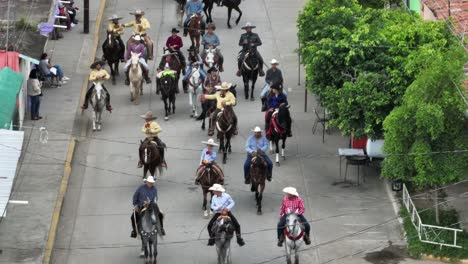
{"x":54,"y":72}
{"x":34,"y":92}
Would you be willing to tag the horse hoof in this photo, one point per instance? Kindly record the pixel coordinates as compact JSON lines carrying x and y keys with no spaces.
{"x":224,"y":161}
{"x":284,"y":157}
{"x":205,"y":214}
{"x":277,"y":164}
{"x":252,"y":99}
{"x":166,"y":118}
{"x":94,"y":129}
{"x":142,"y":254}
{"x":259,"y":212}
{"x":192,"y":116}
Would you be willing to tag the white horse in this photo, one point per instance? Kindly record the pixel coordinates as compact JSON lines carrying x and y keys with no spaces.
{"x":98,"y":102}
{"x":136,"y":78}
{"x":210,"y":56}
{"x":195,"y":91}
{"x":293,"y":237}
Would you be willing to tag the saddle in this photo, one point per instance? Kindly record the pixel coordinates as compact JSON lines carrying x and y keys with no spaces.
{"x":204,"y":168}
{"x":274,"y":124}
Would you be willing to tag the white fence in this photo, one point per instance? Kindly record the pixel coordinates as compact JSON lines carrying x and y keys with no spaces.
{"x":438,"y":235}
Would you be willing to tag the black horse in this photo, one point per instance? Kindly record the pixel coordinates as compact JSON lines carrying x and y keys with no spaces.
{"x":168,"y":91}
{"x":250,"y":68}
{"x":230,"y":4}
{"x":112,"y":53}
{"x":278,"y":128}
{"x":225,"y":128}
{"x":209,"y":106}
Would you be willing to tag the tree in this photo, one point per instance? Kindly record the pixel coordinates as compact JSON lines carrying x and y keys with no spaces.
{"x":421,"y":133}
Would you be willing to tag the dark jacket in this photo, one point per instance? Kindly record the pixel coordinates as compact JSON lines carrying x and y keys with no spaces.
{"x":251,"y":38}
{"x":275,"y":77}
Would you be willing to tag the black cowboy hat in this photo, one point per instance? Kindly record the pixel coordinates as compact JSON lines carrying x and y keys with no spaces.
{"x":276,"y":86}
{"x":192,"y":48}
{"x":93,"y":66}
{"x":212,"y":69}
{"x":174,"y":30}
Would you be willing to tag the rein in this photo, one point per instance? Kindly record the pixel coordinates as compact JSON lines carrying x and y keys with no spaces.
{"x":220,"y":115}
{"x":287,"y":234}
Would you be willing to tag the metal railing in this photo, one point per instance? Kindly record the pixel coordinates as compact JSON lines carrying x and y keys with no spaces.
{"x":438,"y":235}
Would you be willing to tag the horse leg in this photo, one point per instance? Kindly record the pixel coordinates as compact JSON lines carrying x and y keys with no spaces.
{"x":259,"y":198}
{"x":252,"y":91}
{"x":166,"y":108}
{"x":99,"y":120}
{"x":173,"y":98}
{"x":283,"y":146}
{"x":155,"y":249}
{"x":277,"y":152}
{"x":94,"y":120}
{"x":246,"y":88}
{"x":205,"y":211}
{"x":225,"y":151}
{"x":113,"y":73}
{"x":229,"y":17}
{"x":240,"y":14}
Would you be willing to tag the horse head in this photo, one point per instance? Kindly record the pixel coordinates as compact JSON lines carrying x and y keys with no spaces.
{"x":283,"y":116}
{"x":167,"y":84}
{"x":228,"y":113}
{"x":224,"y":228}
{"x":149,"y":151}
{"x":135,"y":57}
{"x":293,"y":224}
{"x":210,"y":56}
{"x":149,"y":219}
{"x":98,"y":90}
{"x":195,"y":80}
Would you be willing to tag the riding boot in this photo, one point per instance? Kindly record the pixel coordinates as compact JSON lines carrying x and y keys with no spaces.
{"x":127,"y":78}
{"x":211,"y":240}
{"x":235,"y":126}
{"x":86,"y":100}
{"x":269,"y":176}
{"x":212,"y":127}
{"x":140,"y":165}
{"x":306,"y":239}
{"x":247,"y":179}
{"x":145,"y":75}
{"x":161,"y":218}
{"x":262,"y":73}
{"x":240,"y":240}
{"x":280,"y":241}
{"x":158,"y":88}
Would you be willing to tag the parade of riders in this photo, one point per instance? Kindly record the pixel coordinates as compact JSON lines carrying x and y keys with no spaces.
{"x":140,"y":26}
{"x":257,"y":144}
{"x":117,"y":30}
{"x":151,"y":129}
{"x":210,"y":39}
{"x":249,"y":41}
{"x":136,"y":46}
{"x":194,"y":7}
{"x":98,"y":74}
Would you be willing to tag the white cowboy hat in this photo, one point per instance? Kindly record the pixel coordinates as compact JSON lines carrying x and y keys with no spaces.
{"x":150,"y":179}
{"x":257,"y":129}
{"x":223,"y":86}
{"x":138,"y":12}
{"x":291,"y":190}
{"x":149,"y":115}
{"x":248,"y":25}
{"x":114,"y":17}
{"x":217,"y":188}
{"x":210,"y":142}
{"x":137,"y":37}
{"x":274,"y":61}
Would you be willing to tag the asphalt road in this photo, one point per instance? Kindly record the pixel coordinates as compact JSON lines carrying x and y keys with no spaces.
{"x":95,"y":227}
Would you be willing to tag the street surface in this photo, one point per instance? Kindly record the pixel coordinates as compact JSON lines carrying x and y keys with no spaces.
{"x":95,"y":224}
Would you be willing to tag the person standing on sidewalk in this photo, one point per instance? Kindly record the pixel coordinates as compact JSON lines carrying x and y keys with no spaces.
{"x":34,"y":92}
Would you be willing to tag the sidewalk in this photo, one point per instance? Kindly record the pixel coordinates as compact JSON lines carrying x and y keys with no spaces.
{"x":454,"y":193}
{"x":24,"y":230}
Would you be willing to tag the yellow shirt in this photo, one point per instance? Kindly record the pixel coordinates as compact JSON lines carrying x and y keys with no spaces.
{"x":229,"y":99}
{"x":151,"y":129}
{"x":144,"y":23}
{"x":117,"y":29}
{"x":101,"y":73}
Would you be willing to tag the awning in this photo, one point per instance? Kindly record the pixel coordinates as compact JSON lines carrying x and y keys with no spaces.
{"x":11,"y":143}
{"x":10,"y":85}
{"x":27,"y":58}
{"x":9,"y":59}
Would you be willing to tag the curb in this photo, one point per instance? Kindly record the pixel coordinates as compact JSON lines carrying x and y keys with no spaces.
{"x":71,"y":148}
{"x":443,"y":259}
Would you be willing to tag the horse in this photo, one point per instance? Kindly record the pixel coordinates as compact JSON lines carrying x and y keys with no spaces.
{"x":168,"y":90}
{"x":207,"y":175}
{"x":136,"y":78}
{"x":111,"y":50}
{"x":258,"y":172}
{"x":195,"y":90}
{"x":98,"y":102}
{"x":223,"y":230}
{"x":180,"y":11}
{"x":211,"y":59}
{"x":250,"y":68}
{"x":208,"y":107}
{"x":293,"y":232}
{"x":149,"y":228}
{"x":194,"y":29}
{"x":224,"y":126}
{"x":175,"y":64}
{"x":279,"y":125}
{"x":230,"y":4}
{"x":150,"y":157}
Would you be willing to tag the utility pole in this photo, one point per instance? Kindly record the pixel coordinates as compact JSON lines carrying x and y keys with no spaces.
{"x":86,"y":17}
{"x":8,"y":26}
{"x":449,"y":14}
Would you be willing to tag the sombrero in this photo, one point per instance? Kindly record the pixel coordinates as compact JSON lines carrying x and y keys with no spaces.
{"x":212,"y":69}
{"x":291,"y":190}
{"x":150,"y":179}
{"x":192,"y":48}
{"x":93,"y":66}
{"x":174,"y":30}
{"x":114,"y":17}
{"x":257,"y":129}
{"x":274,"y":61}
{"x":210,"y":142}
{"x":224,"y":86}
{"x":248,"y":25}
{"x":149,"y":115}
{"x":217,"y":188}
{"x":138,"y":12}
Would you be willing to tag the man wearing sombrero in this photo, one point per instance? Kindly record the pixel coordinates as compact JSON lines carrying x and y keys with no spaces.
{"x":249,"y":39}
{"x":194,"y":7}
{"x":257,"y":144}
{"x":101,"y":75}
{"x":211,"y":39}
{"x":151,"y":129}
{"x":140,"y":26}
{"x":208,"y":159}
{"x":136,"y":46}
{"x":117,"y":29}
{"x":174,"y":44}
{"x":223,"y":97}
{"x":290,"y":204}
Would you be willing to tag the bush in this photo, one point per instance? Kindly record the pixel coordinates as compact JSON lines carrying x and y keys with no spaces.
{"x":24,"y":24}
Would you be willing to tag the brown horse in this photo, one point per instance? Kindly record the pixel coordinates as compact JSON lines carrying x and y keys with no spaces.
{"x":194,"y":30}
{"x":258,"y":172}
{"x":150,"y":157}
{"x":207,"y":175}
{"x":225,"y":128}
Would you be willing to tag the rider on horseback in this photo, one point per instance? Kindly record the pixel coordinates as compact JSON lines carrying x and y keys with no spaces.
{"x":140,"y":25}
{"x":223,"y":97}
{"x":275,"y":100}
{"x":257,"y":144}
{"x":144,"y":195}
{"x":191,"y":8}
{"x":222,"y":204}
{"x":151,"y":129}
{"x":136,"y":46}
{"x":174,"y":43}
{"x":273,"y":76}
{"x":291,"y":203}
{"x":97,"y":74}
{"x":211,"y":39}
{"x":208,"y":158}
{"x":116,"y":29}
{"x":249,"y":41}
{"x":212,"y":80}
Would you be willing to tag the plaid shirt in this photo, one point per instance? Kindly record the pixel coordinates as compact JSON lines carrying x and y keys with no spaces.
{"x":292,"y":205}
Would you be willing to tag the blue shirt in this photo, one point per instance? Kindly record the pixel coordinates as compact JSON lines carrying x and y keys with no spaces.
{"x":253,"y":144}
{"x":144,"y":193}
{"x":210,"y":40}
{"x":209,"y":157}
{"x":194,"y":7}
{"x":275,"y":101}
{"x":218,"y":203}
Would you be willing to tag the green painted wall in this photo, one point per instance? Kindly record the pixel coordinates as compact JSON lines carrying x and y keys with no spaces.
{"x":415,"y":6}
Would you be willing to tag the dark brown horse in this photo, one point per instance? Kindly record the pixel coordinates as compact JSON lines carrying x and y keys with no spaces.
{"x":112,"y":51}
{"x":258,"y":172}
{"x":250,"y":69}
{"x":150,"y":157}
{"x":175,"y":64}
{"x":225,"y":128}
{"x":230,"y":4}
{"x":194,"y":30}
{"x":207,"y":175}
{"x":277,"y":129}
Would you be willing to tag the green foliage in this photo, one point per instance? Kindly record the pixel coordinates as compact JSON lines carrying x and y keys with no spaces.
{"x":24,"y":24}
{"x":429,"y":120}
{"x":379,"y":3}
{"x":416,"y":248}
